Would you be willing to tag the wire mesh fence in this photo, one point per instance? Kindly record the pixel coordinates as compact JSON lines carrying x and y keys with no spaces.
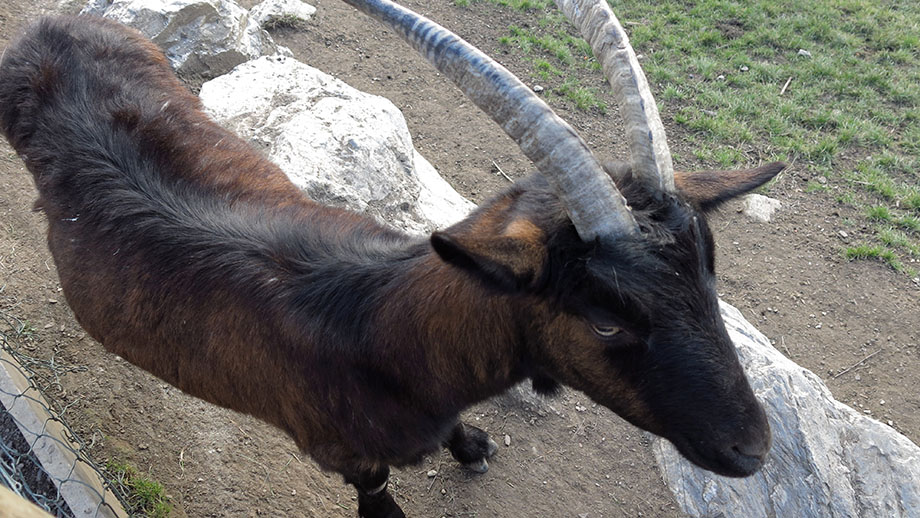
{"x":41,"y":458}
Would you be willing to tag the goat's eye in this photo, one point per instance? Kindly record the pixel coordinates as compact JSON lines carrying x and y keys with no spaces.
{"x":605,"y":331}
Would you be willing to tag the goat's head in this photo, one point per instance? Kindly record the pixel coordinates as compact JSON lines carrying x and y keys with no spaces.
{"x":611,"y":271}
{"x":632,"y":321}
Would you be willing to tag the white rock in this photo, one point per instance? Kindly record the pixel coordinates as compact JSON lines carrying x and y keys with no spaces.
{"x":759,"y":207}
{"x":201,"y":38}
{"x":804,"y":53}
{"x":273,"y":12}
{"x":341,"y":146}
{"x":827,"y":460}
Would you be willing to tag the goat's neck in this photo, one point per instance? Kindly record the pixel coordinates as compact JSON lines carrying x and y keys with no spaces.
{"x":450,"y":331}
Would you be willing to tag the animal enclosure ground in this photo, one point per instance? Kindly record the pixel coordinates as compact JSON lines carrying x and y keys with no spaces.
{"x":566,"y":457}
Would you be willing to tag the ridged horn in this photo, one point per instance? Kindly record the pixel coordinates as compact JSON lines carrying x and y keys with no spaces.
{"x":589,"y":196}
{"x":648,"y":146}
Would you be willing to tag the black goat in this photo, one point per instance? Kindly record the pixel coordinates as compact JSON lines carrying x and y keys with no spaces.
{"x":184,"y":251}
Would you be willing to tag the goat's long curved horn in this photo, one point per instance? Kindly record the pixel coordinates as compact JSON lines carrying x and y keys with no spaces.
{"x":648,"y":146}
{"x":590,"y":197}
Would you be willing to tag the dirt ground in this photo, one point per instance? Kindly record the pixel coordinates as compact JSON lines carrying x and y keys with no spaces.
{"x":566,"y":457}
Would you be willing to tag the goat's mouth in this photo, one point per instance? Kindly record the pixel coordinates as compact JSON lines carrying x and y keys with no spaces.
{"x":731,"y":461}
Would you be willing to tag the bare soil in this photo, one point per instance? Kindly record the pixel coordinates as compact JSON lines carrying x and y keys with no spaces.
{"x":566,"y":458}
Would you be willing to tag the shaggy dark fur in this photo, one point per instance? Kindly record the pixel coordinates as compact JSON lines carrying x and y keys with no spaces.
{"x":184,"y":251}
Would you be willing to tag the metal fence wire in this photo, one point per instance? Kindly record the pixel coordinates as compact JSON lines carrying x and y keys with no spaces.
{"x":41,"y":458}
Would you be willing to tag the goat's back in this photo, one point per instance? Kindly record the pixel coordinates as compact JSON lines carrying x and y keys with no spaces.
{"x":88,"y":101}
{"x":172,"y":237}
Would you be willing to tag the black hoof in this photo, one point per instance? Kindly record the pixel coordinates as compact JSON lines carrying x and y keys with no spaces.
{"x":380,"y":505}
{"x":472,"y":447}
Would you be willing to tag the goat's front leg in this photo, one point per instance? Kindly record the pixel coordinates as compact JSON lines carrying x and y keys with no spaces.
{"x":374,"y":501}
{"x":471,"y":447}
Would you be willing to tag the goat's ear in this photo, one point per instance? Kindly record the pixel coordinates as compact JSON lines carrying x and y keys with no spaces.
{"x":509,"y":261}
{"x":707,"y":189}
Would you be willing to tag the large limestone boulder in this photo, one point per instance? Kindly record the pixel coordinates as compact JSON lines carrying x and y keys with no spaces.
{"x":201,"y":38}
{"x":341,"y":146}
{"x":828,"y":460}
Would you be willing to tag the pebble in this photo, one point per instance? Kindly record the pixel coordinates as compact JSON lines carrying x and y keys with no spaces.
{"x":843,"y":234}
{"x":538,"y":88}
{"x":507,"y":440}
{"x":744,"y":68}
{"x":432,"y":473}
{"x":721,"y":77}
{"x":804,"y":53}
{"x":52,"y":301}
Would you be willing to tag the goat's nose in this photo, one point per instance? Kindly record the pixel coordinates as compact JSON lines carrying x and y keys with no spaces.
{"x":757,"y":448}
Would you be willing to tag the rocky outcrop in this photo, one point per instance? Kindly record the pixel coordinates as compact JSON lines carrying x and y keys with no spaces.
{"x":201,"y":38}
{"x":341,"y":146}
{"x":827,"y":460}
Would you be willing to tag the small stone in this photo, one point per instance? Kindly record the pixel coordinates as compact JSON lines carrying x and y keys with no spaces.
{"x":744,"y":68}
{"x":538,"y":88}
{"x":432,"y":473}
{"x":142,"y":446}
{"x":804,"y":53}
{"x":443,"y":491}
{"x":882,"y":402}
{"x":507,"y":440}
{"x":583,"y":515}
{"x":759,"y":207}
{"x":279,"y":13}
{"x":52,"y":301}
{"x":720,"y":77}
{"x":842,"y":234}
{"x":822,"y":180}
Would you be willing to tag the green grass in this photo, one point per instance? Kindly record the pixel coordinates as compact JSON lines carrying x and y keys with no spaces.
{"x":857,"y":95}
{"x":730,"y":74}
{"x":146,"y":497}
{"x":877,"y":252}
{"x":555,"y":53}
